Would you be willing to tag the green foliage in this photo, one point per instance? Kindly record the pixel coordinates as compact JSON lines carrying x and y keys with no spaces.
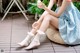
{"x":32,"y":6}
{"x":77,"y":4}
{"x":34,"y":9}
{"x":54,"y":7}
{"x":45,"y":2}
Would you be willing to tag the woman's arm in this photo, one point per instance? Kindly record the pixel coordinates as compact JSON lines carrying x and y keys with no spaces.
{"x":51,"y":3}
{"x":61,"y":10}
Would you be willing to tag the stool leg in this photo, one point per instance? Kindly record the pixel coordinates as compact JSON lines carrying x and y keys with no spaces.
{"x":21,"y":10}
{"x":21,"y":5}
{"x":7,"y":12}
{"x":8,"y":5}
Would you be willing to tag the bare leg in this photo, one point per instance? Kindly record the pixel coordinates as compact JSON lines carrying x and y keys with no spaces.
{"x":49,"y":19}
{"x":34,"y":30}
{"x":29,"y":37}
{"x":45,"y":24}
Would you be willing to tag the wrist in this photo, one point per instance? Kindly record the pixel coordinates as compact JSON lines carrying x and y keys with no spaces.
{"x":45,"y":8}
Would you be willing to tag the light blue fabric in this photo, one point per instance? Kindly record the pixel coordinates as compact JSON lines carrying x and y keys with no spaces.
{"x":69,"y":25}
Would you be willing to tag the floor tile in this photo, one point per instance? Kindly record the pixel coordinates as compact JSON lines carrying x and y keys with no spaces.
{"x":20,"y":50}
{"x":77,"y":48}
{"x":66,"y":52}
{"x":61,"y":48}
{"x":44,"y":48}
{"x":14,"y":29}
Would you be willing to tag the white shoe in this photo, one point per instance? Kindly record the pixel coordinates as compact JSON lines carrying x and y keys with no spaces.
{"x":36,"y":41}
{"x":34,"y":44}
{"x":27,"y":40}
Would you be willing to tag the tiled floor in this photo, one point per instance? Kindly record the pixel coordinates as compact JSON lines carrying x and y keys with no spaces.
{"x":14,"y":29}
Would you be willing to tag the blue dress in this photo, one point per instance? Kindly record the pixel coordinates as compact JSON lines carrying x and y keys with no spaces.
{"x":69,"y":25}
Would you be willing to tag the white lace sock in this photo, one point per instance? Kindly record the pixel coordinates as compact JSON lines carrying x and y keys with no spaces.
{"x":36,"y":41}
{"x":27,"y":40}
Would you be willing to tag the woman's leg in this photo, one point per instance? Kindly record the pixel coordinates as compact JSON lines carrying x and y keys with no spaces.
{"x":49,"y":19}
{"x":30,"y":35}
{"x":33,"y":30}
{"x":45,"y":24}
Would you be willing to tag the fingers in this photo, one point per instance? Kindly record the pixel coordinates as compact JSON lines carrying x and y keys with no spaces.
{"x":40,"y":4}
{"x":34,"y":24}
{"x":39,"y":0}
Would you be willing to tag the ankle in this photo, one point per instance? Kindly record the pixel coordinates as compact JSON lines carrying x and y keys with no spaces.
{"x":41,"y":35}
{"x":40,"y":32}
{"x":31,"y":34}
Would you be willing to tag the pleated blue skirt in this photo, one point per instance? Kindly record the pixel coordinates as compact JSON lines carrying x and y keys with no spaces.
{"x":69,"y":25}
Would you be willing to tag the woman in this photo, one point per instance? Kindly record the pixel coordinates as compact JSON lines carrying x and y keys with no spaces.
{"x":66,"y":19}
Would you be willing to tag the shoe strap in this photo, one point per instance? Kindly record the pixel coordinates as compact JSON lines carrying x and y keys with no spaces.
{"x":40,"y":32}
{"x":31,"y":34}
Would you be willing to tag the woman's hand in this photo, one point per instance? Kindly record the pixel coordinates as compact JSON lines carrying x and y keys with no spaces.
{"x":35,"y":24}
{"x":41,"y":5}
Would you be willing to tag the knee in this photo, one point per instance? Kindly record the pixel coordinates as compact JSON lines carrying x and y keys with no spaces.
{"x":47,"y":17}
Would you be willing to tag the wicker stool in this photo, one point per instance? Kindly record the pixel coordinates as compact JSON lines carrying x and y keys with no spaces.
{"x":54,"y":35}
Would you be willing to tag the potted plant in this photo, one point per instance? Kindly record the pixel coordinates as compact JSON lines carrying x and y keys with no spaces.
{"x":33,"y":9}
